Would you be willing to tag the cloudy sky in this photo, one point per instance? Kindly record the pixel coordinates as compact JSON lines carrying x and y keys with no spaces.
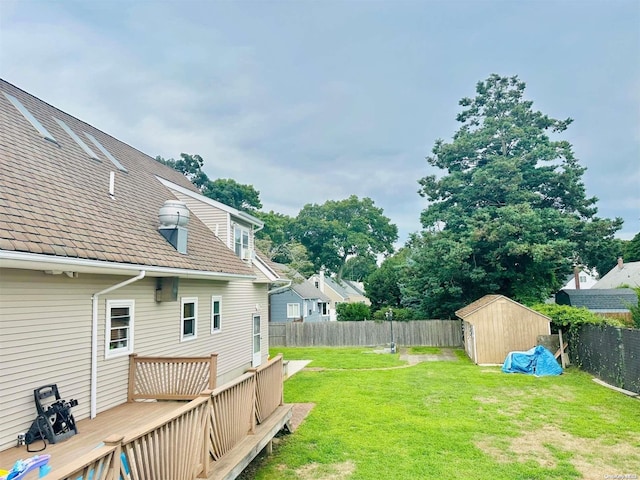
{"x":311,"y":101}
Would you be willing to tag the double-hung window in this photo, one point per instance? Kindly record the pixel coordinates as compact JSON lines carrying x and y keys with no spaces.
{"x":188,"y":319}
{"x":119,"y":328}
{"x":216,"y":314}
{"x":241,"y":241}
{"x":293,"y":310}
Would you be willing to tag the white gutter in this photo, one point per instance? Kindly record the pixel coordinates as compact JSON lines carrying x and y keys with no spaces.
{"x":94,"y":337}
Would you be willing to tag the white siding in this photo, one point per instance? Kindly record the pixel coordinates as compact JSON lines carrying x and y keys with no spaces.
{"x":45,"y":323}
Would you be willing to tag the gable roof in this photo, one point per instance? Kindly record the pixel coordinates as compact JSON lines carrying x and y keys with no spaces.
{"x":629,"y":275}
{"x":336,"y":287}
{"x":483,"y":302}
{"x":55,"y":205}
{"x":612,"y":299}
{"x":308,"y":290}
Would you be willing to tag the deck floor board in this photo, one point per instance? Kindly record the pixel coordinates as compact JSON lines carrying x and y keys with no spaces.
{"x":124,"y":418}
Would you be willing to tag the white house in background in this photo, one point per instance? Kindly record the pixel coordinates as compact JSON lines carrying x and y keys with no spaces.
{"x":623,"y":274}
{"x":581,"y":280}
{"x":95,"y":265}
{"x":343,"y":291}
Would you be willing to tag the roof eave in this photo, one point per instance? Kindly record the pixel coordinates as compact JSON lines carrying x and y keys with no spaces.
{"x":34,"y":261}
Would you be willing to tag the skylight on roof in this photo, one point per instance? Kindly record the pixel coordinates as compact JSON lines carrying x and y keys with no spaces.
{"x":106,"y":152}
{"x":32,"y":120}
{"x":77,"y":139}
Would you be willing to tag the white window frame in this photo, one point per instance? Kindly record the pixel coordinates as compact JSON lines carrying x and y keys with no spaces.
{"x":293,"y":307}
{"x":183,"y":302}
{"x":117,"y":352}
{"x":239,"y":233}
{"x":214,"y":299}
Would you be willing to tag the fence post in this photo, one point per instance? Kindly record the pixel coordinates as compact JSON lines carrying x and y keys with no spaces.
{"x":132,"y":376}
{"x":116,"y":464}
{"x":213,"y":371}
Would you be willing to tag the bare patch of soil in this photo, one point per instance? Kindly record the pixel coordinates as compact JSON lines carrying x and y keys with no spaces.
{"x":336,"y":471}
{"x":593,"y":458}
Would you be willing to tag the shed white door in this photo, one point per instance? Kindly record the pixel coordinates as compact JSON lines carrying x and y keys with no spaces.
{"x":257,"y":337}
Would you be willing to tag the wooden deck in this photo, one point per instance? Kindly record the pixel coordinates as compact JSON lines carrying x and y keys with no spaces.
{"x":133,"y":416}
{"x":91,"y":433}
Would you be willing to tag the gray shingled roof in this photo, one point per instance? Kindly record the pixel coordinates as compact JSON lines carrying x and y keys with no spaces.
{"x":628,"y":275}
{"x":613,"y":299}
{"x":308,"y":290}
{"x":54,"y":199}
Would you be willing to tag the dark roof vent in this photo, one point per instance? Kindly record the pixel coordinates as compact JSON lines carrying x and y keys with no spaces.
{"x":173,"y":217}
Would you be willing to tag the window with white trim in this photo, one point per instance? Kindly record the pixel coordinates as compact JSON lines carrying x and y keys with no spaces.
{"x":188,"y":319}
{"x":216,"y":314}
{"x":293,"y":310}
{"x":240,"y":240}
{"x":119,"y":328}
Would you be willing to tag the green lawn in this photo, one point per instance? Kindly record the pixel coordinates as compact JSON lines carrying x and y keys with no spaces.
{"x":450,"y":420}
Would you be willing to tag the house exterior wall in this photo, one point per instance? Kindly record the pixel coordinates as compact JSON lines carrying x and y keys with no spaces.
{"x":215,"y":219}
{"x":46,"y":323}
{"x":279,"y":303}
{"x":504,"y":326}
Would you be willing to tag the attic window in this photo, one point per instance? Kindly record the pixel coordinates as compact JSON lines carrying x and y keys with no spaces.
{"x":106,"y":152}
{"x":77,"y":139}
{"x":32,"y":120}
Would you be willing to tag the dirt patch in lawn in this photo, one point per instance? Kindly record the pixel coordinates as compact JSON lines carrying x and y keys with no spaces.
{"x":593,"y":458}
{"x":335,"y":471}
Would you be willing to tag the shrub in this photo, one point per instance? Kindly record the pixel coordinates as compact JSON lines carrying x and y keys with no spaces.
{"x":569,"y":318}
{"x":353,"y":312}
{"x":635,"y":309}
{"x":399,"y":314}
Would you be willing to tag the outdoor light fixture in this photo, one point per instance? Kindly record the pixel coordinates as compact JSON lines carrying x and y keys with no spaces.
{"x":389,"y":316}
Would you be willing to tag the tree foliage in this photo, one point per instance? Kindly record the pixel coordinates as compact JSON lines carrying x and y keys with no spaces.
{"x":353,"y":312}
{"x":510,"y":215}
{"x":631,"y":249}
{"x":337,"y":230}
{"x":383,"y":284}
{"x":227,"y":191}
{"x":358,"y":268}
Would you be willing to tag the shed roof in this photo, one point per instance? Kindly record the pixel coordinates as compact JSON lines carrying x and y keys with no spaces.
{"x":483,"y":302}
{"x":55,"y":202}
{"x":611,"y":299}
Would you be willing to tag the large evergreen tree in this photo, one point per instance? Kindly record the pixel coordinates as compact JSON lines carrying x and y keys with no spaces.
{"x":511,"y":213}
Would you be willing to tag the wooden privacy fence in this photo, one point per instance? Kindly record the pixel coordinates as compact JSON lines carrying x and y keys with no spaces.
{"x":435,"y":333}
{"x":185,"y":444}
{"x":170,"y":378}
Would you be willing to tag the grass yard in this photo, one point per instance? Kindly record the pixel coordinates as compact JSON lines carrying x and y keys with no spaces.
{"x":375,"y":419}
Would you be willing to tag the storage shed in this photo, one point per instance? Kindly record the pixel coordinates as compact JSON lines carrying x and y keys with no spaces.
{"x":495,"y":325}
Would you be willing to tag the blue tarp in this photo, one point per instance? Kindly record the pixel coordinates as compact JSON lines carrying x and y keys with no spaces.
{"x":538,"y":361}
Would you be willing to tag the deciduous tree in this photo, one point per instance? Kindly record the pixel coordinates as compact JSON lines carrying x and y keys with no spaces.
{"x":337,"y":230}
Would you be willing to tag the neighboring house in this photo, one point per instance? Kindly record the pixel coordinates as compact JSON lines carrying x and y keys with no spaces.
{"x":581,"y":280}
{"x":339,"y":292}
{"x":622,"y":275}
{"x":299,"y":302}
{"x":611,"y":302}
{"x":495,"y":325}
{"x":89,"y":274}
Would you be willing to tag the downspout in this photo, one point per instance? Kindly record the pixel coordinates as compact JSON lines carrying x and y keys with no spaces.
{"x":94,"y":337}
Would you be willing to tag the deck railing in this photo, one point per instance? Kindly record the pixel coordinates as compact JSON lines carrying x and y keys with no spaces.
{"x":269,"y":391}
{"x":170,"y":378}
{"x":181,"y":445}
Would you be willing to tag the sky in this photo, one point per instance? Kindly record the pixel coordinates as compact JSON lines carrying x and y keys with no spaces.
{"x":312,"y":101}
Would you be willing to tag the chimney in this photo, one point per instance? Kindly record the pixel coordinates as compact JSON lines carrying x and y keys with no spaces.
{"x":173,"y":217}
{"x":321,"y":286}
{"x":576,"y":276}
{"x":620,"y":263}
